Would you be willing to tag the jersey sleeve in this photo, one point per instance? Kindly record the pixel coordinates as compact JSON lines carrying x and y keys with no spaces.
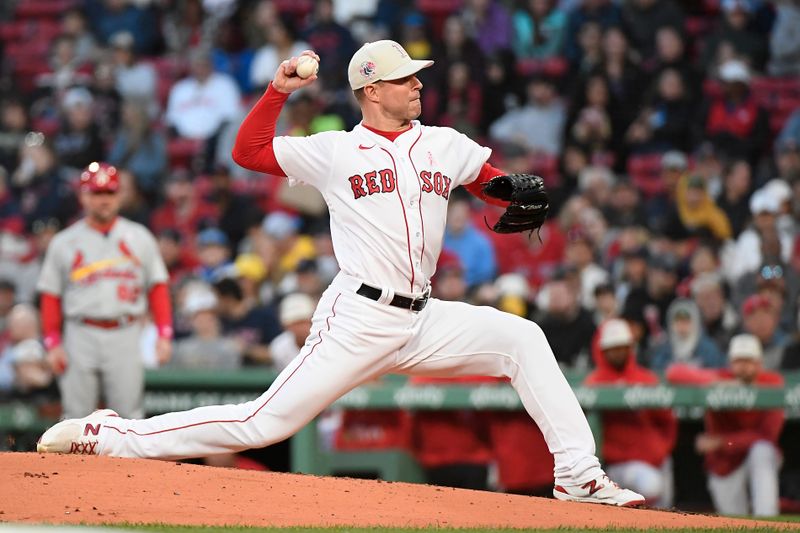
{"x":51,"y":279}
{"x":307,"y":160}
{"x":471,"y":158}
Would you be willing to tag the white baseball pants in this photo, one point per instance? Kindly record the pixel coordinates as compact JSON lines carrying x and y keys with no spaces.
{"x":759,"y":473}
{"x":656,"y":484}
{"x":354,"y":340}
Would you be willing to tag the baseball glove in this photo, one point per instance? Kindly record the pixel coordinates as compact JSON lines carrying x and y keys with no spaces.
{"x":528,"y":205}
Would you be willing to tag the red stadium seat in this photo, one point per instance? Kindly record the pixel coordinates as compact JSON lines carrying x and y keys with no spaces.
{"x":43,"y":8}
{"x":180,"y":151}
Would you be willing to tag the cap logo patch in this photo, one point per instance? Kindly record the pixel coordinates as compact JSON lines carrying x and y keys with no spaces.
{"x":367,"y":69}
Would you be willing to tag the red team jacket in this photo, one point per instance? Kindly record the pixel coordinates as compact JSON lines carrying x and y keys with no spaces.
{"x":739,"y":429}
{"x":646,"y":435}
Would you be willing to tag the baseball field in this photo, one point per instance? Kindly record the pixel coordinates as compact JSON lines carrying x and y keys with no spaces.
{"x":164,"y":496}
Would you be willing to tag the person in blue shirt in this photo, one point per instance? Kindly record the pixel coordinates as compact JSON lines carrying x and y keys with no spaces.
{"x":472,"y":247}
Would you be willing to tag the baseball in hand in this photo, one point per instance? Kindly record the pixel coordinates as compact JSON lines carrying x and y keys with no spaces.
{"x":306,"y":66}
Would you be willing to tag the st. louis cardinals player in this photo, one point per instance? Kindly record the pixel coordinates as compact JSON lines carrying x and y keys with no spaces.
{"x":99,"y":274}
{"x":386,"y":184}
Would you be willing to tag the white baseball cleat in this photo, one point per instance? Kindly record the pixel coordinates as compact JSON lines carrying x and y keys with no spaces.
{"x":75,"y":435}
{"x":600,"y":490}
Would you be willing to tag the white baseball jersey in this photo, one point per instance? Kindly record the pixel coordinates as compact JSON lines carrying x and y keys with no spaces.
{"x":387,"y":200}
{"x":102,"y":276}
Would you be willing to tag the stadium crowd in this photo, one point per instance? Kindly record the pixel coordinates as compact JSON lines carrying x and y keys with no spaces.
{"x":667,"y":131}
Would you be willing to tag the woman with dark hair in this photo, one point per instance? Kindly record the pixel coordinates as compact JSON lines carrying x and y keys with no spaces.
{"x":589,"y":120}
{"x":539,"y":29}
{"x":281,"y":42}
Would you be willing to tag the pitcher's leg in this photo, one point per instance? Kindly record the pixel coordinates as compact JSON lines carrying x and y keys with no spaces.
{"x":336,"y":358}
{"x":459,"y":339}
{"x":123,"y":372}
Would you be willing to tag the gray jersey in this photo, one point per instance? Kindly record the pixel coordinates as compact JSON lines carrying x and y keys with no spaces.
{"x":102,"y":276}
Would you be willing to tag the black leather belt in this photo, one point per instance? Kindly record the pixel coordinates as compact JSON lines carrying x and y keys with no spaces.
{"x":404,"y":302}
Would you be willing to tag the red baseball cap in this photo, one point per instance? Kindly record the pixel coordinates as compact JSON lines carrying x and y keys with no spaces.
{"x":100,"y":177}
{"x":754,"y":303}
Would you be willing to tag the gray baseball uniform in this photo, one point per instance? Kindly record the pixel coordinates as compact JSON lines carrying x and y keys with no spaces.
{"x":103,"y":280}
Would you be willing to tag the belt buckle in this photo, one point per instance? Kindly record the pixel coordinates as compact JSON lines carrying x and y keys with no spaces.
{"x":423,"y":299}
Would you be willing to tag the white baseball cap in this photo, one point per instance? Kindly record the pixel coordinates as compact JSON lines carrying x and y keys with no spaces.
{"x":614,"y":333}
{"x":382,"y":60}
{"x":764,"y":202}
{"x":296,"y":307}
{"x":734,"y":70}
{"x":745,"y":346}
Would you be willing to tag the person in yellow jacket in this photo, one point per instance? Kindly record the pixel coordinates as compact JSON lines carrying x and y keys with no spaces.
{"x":696,"y":213}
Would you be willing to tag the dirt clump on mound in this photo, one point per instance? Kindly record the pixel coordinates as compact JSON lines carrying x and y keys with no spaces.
{"x":62,"y":489}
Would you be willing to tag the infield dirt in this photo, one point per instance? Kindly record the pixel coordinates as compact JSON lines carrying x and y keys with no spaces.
{"x":62,"y":489}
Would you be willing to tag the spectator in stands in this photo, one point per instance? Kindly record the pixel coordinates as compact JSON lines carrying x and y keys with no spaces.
{"x":745,"y":254}
{"x":503,"y":89}
{"x":625,"y":207}
{"x":250,"y":272}
{"x":590,"y":116}
{"x":230,"y":56}
{"x":788,"y":139}
{"x":686,"y":341}
{"x":289,"y":245}
{"x":460,"y":101}
{"x":183,"y":209}
{"x":14,"y":125}
{"x":132,"y":204}
{"x":581,"y":255}
{"x":235,"y":210}
{"x":200,"y":105}
{"x":26,"y":352}
{"x":718,"y":316}
{"x":590,"y":55}
{"x":674,"y":165}
{"x":214,"y":254}
{"x":735,"y":196}
{"x":457,"y":45}
{"x":11,"y":221}
{"x":664,"y":123}
{"x":205,"y":347}
{"x":66,"y":69}
{"x":182,"y":26}
{"x":733,"y":121}
{"x":75,"y":24}
{"x":642,"y":19}
{"x":762,"y":320}
{"x":539,"y":125}
{"x":295,"y":312}
{"x":414,"y":35}
{"x":784,"y":40}
{"x":568,"y":326}
{"x":180,"y":262}
{"x":281,"y":43}
{"x":489,"y":23}
{"x":740,"y":447}
{"x":41,"y":183}
{"x":472,"y":247}
{"x":107,"y":106}
{"x":671,"y":54}
{"x":695,"y":215}
{"x":601,"y":12}
{"x":781,"y":285}
{"x":621,"y":68}
{"x":253,"y":326}
{"x":112,"y":16}
{"x":790,"y":359}
{"x":735,"y":38}
{"x":332,"y":42}
{"x":78,"y":142}
{"x":595,"y":183}
{"x":449,"y":282}
{"x":140,"y":148}
{"x":649,"y":303}
{"x":539,"y":30}
{"x":637,"y":445}
{"x":134,"y":79}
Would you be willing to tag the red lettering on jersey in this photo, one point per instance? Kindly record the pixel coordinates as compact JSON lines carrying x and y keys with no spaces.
{"x":438,"y":183}
{"x":357,"y":184}
{"x":127,"y":253}
{"x":77,"y":262}
{"x":446,"y":190}
{"x":372,"y":185}
{"x":387,"y":180}
{"x":425,"y":176}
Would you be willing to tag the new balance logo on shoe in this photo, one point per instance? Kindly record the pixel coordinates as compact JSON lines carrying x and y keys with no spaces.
{"x":94,"y":429}
{"x":592,"y":485}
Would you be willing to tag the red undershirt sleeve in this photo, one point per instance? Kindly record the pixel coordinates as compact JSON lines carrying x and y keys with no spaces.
{"x":51,"y":320}
{"x":161,"y":309}
{"x":476,"y":187}
{"x":253,"y":148}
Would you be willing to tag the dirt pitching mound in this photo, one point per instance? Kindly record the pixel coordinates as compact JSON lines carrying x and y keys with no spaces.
{"x":61,"y":489}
